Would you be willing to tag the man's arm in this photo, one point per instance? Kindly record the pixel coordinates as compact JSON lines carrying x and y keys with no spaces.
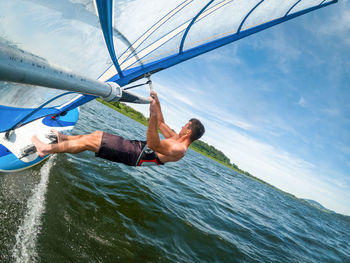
{"x":164,"y":147}
{"x":164,"y":128}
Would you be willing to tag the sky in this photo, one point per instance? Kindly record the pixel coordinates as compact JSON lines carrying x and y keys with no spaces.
{"x":276,"y":102}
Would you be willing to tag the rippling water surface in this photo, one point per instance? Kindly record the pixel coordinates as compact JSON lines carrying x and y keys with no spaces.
{"x":78,"y":208}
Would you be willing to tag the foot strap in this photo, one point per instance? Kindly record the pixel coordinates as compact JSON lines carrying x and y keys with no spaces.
{"x":28,"y":150}
{"x":52,"y":137}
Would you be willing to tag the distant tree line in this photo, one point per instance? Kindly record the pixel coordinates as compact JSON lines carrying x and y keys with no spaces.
{"x":211,"y":151}
{"x":217,"y":155}
{"x":126,"y":110}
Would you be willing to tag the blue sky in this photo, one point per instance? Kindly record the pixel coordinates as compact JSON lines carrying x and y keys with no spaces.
{"x":277,"y":103}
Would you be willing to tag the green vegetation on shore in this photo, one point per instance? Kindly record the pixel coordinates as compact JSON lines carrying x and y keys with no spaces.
{"x":198,"y":146}
{"x":126,"y":110}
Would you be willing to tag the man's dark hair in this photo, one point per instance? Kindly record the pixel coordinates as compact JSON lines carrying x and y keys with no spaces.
{"x":197,"y":129}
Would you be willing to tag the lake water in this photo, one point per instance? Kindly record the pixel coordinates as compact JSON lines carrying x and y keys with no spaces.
{"x":78,"y":208}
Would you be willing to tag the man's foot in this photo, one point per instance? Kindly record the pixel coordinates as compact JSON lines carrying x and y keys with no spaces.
{"x":41,"y":148}
{"x":60,"y":137}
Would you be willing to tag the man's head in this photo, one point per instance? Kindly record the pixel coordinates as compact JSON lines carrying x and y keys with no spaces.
{"x":194,"y":128}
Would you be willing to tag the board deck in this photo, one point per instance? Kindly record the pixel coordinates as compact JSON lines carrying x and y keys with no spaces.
{"x":11,"y":149}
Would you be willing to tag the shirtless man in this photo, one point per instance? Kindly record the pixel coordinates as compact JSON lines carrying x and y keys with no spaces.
{"x":131,"y":152}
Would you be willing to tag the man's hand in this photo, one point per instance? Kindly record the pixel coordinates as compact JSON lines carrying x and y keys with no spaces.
{"x":154,"y":95}
{"x":153,"y":108}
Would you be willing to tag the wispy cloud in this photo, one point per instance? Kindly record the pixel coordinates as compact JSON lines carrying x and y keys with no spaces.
{"x":339,"y":25}
{"x":280,"y":48}
{"x":348,"y":164}
{"x":301,"y":102}
{"x":344,"y":148}
{"x":332,"y":112}
{"x":226,"y":56}
{"x":227,"y":118}
{"x":188,"y":100}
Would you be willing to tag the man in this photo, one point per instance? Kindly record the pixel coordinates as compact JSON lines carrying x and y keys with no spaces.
{"x":131,"y":152}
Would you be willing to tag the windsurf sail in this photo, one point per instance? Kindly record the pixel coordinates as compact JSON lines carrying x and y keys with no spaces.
{"x":166,"y":33}
{"x":141,"y":36}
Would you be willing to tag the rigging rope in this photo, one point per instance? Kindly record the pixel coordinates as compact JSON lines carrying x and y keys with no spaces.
{"x":148,"y":82}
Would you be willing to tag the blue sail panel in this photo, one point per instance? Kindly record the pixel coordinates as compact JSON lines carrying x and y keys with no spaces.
{"x":10,"y":116}
{"x":14,"y":117}
{"x":105,"y":12}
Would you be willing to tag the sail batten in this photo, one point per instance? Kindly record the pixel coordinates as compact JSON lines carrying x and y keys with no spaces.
{"x":191,"y":23}
{"x":290,"y":9}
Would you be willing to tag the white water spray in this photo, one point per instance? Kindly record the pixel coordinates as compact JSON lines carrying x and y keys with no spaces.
{"x":25,"y":248}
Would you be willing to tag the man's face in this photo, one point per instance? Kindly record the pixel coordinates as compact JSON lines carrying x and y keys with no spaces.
{"x":185,"y":129}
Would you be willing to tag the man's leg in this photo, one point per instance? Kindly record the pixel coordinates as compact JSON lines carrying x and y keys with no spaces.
{"x":75,"y":144}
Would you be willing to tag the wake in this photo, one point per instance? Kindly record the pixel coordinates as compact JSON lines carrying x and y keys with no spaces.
{"x":25,"y":248}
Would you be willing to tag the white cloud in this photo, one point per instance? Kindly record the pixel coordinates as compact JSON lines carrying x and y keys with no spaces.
{"x":227,"y":118}
{"x":279,"y":48}
{"x":331,"y":112}
{"x":348,"y":164}
{"x":302,"y":102}
{"x":224,"y":56}
{"x":339,"y":23}
{"x":344,"y":148}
